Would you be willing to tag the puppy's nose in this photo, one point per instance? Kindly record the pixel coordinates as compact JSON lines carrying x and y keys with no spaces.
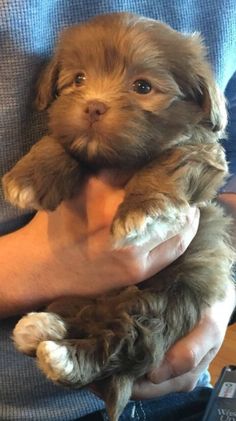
{"x":95,"y":109}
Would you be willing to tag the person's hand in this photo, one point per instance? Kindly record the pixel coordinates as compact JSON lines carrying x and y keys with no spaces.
{"x":191,"y":355}
{"x":78,"y":239}
{"x":70,"y":251}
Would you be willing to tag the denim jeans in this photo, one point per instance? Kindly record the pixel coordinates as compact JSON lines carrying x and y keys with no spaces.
{"x":184,"y":406}
{"x":173,"y":407}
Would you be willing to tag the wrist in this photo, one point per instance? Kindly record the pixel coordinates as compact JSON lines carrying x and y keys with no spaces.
{"x":24,"y":258}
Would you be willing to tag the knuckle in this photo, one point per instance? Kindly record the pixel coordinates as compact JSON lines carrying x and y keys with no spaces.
{"x":188,"y":357}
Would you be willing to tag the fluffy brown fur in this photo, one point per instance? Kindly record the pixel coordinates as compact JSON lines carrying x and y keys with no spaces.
{"x":168,"y":140}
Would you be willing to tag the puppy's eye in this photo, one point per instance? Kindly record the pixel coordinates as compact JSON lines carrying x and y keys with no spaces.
{"x":79,"y":79}
{"x":142,"y":86}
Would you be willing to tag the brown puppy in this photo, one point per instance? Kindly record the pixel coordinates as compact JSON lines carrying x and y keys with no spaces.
{"x":130,"y":94}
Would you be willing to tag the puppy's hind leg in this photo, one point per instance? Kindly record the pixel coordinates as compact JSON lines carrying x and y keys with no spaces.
{"x":70,"y":362}
{"x":75,"y":363}
{"x":78,"y":362}
{"x":35,"y":328}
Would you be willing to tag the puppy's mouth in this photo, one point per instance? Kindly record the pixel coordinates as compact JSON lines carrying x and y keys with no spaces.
{"x":93,"y":130}
{"x":93,"y":148}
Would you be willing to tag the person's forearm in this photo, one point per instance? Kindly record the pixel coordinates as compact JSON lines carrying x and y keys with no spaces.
{"x":32,"y":272}
{"x":37,"y":267}
{"x":23,"y":270}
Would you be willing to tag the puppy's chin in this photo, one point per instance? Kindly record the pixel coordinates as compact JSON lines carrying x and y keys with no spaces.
{"x":99,"y":153}
{"x":92,"y":151}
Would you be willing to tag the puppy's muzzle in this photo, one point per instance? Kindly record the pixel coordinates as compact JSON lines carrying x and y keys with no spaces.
{"x":95,"y":110}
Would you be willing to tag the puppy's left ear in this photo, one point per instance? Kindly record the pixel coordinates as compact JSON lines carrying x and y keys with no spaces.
{"x":46,"y":86}
{"x":212,"y":102}
{"x":203,"y":88}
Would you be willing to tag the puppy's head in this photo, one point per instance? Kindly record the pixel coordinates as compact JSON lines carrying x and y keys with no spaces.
{"x":122,"y":88}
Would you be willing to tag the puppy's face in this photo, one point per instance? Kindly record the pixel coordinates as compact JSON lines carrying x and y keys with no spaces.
{"x":127,"y":88}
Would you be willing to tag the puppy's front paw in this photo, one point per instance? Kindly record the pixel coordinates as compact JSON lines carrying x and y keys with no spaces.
{"x":35,"y":328}
{"x":19,"y":193}
{"x":131,"y":228}
{"x":26,"y":191}
{"x":138,"y":223}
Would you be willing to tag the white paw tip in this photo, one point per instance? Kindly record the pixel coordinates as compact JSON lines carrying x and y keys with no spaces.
{"x":55,"y":360}
{"x":22,"y":196}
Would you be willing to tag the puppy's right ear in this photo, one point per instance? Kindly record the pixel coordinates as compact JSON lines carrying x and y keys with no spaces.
{"x":47,"y":85}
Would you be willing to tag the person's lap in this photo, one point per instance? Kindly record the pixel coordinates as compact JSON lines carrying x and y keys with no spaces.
{"x":183,"y":406}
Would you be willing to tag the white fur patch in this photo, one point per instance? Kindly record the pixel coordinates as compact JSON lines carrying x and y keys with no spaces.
{"x":138,"y":231}
{"x":55,"y":360}
{"x":22,"y":197}
{"x":35,"y":328}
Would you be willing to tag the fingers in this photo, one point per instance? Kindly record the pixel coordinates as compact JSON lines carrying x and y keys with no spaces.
{"x":188,"y":353}
{"x":145,"y":389}
{"x":187,"y":359}
{"x":162,"y":255}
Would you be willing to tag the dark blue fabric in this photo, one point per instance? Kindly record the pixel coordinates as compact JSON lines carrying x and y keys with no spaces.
{"x":173,"y":407}
{"x":230,"y":144}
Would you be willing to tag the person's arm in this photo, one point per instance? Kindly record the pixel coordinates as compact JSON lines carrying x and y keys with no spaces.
{"x":69,"y":251}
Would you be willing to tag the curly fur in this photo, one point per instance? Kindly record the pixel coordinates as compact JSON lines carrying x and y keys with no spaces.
{"x":168,"y":143}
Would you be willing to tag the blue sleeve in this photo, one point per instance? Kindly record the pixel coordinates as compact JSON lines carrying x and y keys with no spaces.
{"x":230,"y":143}
{"x":230,"y":186}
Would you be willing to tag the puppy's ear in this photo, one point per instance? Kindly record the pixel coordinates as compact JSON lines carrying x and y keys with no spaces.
{"x":202,"y":86}
{"x":47,"y":85}
{"x":212,"y":102}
